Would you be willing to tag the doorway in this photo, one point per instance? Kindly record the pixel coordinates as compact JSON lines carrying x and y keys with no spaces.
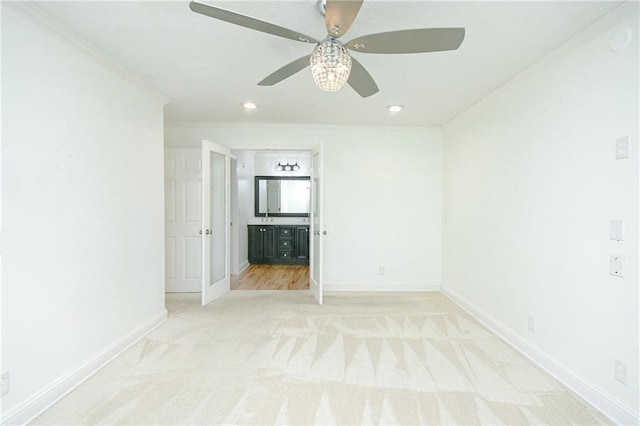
{"x":270,"y":240}
{"x":186,"y":196}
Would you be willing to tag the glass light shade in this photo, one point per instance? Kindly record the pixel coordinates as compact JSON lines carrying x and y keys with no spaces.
{"x":330,"y":65}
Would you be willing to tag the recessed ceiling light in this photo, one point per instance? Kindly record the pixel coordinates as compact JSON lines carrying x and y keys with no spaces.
{"x":249,"y":106}
{"x":395,"y":108}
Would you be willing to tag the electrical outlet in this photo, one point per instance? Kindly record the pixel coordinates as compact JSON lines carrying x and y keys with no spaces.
{"x":4,"y":383}
{"x":620,"y":371}
{"x":622,"y":148}
{"x":532,"y":323}
{"x":380,"y":270}
{"x":616,"y":265}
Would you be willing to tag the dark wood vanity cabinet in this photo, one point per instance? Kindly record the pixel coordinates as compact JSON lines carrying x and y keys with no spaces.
{"x":262,"y":244}
{"x":279,"y":244}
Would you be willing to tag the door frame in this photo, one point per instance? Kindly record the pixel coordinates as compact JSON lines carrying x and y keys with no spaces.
{"x":301,"y":146}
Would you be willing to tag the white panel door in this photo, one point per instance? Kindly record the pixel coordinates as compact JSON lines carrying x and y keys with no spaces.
{"x":316,"y":255}
{"x":183,"y":210}
{"x":216,"y":221}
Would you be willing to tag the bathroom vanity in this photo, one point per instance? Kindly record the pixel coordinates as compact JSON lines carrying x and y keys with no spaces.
{"x":279,"y":244}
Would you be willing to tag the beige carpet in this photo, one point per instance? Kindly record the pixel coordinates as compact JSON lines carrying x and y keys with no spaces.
{"x":275,"y":357}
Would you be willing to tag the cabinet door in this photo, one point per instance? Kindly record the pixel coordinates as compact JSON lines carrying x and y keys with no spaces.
{"x":269,"y":249}
{"x":255,"y":244}
{"x":302,"y":243}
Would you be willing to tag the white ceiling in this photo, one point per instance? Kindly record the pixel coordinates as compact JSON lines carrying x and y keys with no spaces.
{"x":207,"y":68}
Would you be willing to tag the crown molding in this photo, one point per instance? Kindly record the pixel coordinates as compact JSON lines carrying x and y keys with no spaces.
{"x":254,"y":125}
{"x":48,"y":23}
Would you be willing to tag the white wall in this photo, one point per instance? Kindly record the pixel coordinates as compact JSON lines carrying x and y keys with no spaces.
{"x":531,"y":182}
{"x":382,"y":195}
{"x":82,"y":203}
{"x":245,"y":174}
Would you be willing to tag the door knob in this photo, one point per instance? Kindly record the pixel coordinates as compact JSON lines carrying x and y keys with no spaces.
{"x":209,"y":231}
{"x":323,"y":232}
{"x":200,"y":232}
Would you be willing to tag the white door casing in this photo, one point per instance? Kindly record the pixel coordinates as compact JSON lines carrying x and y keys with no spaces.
{"x":317,"y":231}
{"x":183,"y":211}
{"x":216,"y":219}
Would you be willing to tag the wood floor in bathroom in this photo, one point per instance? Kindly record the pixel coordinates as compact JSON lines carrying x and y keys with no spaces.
{"x":272,"y":277}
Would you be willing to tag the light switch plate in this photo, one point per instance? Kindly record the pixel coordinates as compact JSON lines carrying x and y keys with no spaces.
{"x":616,"y":229}
{"x":622,"y":148}
{"x":620,"y":371}
{"x":616,"y":265}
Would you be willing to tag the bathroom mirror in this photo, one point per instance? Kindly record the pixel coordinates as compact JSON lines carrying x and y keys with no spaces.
{"x":282,"y":196}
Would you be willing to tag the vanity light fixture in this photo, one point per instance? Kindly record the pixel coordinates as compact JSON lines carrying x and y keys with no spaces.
{"x":249,"y":106}
{"x":393,"y":109}
{"x":288,"y":167}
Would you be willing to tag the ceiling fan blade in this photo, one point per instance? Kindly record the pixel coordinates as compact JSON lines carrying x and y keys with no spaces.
{"x":286,"y":71}
{"x":409,"y":41}
{"x":361,"y":81}
{"x":339,"y":15}
{"x":248,"y":22}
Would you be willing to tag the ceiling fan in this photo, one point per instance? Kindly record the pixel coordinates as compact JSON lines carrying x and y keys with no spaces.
{"x":331,"y":64}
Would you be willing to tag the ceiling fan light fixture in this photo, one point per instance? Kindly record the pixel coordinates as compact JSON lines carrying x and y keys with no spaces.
{"x":330,"y":61}
{"x":330,"y":65}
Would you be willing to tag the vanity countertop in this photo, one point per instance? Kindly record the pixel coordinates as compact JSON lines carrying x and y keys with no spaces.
{"x":278,"y":221}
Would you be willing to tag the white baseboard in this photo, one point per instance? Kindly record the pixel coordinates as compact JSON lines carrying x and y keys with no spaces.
{"x":242,"y":266}
{"x":373,"y":286}
{"x":34,"y":406}
{"x":590,"y":393}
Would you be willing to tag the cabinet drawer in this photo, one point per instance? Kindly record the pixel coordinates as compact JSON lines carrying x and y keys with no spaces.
{"x":285,"y":232}
{"x":286,"y":244}
{"x":286,"y":255}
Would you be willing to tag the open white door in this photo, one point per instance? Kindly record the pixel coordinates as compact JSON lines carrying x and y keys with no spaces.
{"x":215,"y":221}
{"x":315,"y":264}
